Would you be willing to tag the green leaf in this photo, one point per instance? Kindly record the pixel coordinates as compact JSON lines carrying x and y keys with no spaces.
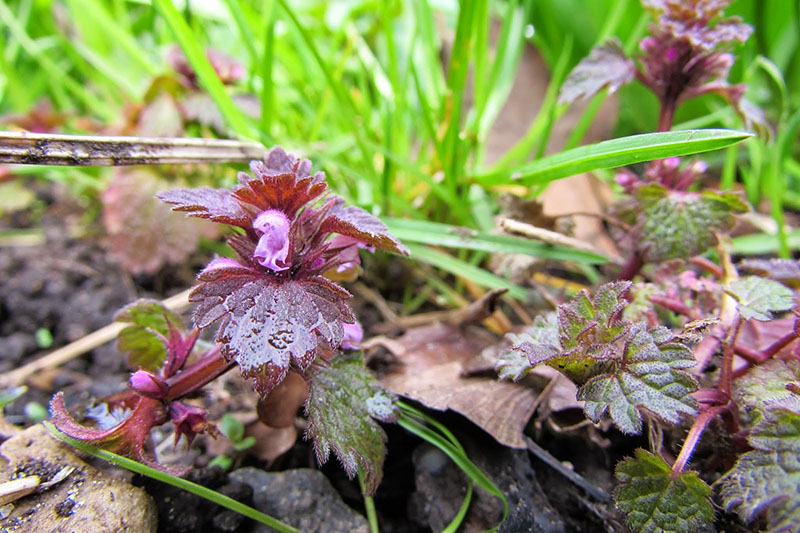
{"x":514,"y":363}
{"x":650,"y":375}
{"x":678,"y":225}
{"x":760,"y":297}
{"x":614,"y":153}
{"x":767,"y":479}
{"x":143,"y":341}
{"x":765,"y":386}
{"x":344,"y":402}
{"x":657,"y":499}
{"x":231,"y":427}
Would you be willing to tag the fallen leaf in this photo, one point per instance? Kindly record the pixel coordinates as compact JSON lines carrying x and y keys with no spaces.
{"x":432,"y":371}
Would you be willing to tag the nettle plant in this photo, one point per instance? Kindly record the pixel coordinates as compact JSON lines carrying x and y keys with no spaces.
{"x":277,"y":313}
{"x":733,"y":367}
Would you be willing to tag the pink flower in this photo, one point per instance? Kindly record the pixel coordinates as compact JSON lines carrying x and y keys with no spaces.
{"x":352,"y":336}
{"x":273,"y":245}
{"x":148,"y":384}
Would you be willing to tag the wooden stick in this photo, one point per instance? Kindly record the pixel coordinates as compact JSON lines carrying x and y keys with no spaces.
{"x":27,"y":148}
{"x":84,"y":344}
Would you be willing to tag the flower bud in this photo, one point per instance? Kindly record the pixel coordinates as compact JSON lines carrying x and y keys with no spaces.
{"x":352,"y":336}
{"x":148,"y":384}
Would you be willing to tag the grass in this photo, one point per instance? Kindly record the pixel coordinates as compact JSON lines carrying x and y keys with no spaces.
{"x":366,"y":94}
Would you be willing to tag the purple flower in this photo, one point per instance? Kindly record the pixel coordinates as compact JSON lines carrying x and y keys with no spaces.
{"x":148,"y":384}
{"x":353,"y":333}
{"x":273,"y":245}
{"x":189,"y":420}
{"x":276,"y":301}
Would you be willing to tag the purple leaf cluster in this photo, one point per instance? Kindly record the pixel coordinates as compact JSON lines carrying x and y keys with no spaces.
{"x":275,"y":306}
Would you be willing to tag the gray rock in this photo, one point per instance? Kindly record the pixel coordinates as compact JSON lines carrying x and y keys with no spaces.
{"x":303,"y":498}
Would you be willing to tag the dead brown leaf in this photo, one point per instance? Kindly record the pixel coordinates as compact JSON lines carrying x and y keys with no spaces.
{"x":431,"y":370}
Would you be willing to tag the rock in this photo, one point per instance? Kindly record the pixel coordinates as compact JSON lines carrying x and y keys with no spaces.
{"x":441,"y":487}
{"x":303,"y":498}
{"x":87,"y":500}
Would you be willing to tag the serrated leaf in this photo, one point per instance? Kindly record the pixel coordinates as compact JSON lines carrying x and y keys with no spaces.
{"x":649,"y":376}
{"x":359,"y":224}
{"x":678,"y":225}
{"x":605,"y":67}
{"x":767,"y":479}
{"x":344,"y":402}
{"x":656,"y":499}
{"x":592,"y":324}
{"x":216,"y":205}
{"x":765,"y":386}
{"x":269,"y":323}
{"x":516,"y":361}
{"x":143,"y":342}
{"x":760,"y":297}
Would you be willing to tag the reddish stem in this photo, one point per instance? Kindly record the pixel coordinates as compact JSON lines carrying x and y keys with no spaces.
{"x":632,"y":267}
{"x":207,"y":369}
{"x":667,"y":113}
{"x":693,"y":437}
{"x":674,"y":305}
{"x":708,"y":266}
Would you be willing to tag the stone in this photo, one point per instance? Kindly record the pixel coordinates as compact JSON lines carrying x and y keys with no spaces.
{"x":303,"y":498}
{"x":87,"y":500}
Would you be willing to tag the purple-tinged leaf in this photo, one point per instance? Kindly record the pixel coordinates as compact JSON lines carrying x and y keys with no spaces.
{"x":354,"y":222}
{"x":534,"y":345}
{"x":767,"y":479}
{"x":126,"y":438}
{"x":656,"y":499}
{"x":786,"y":271}
{"x":143,"y":342}
{"x":216,"y":205}
{"x":650,"y":375}
{"x":605,"y":67}
{"x":343,"y":405}
{"x":759,"y":297}
{"x":270,"y":323}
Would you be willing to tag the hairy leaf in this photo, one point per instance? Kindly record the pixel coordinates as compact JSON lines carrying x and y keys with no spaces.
{"x":605,"y":67}
{"x":786,"y":271}
{"x":760,"y":297}
{"x":357,"y":223}
{"x":343,"y":405}
{"x":216,"y":205}
{"x":656,"y":499}
{"x":518,"y":359}
{"x":678,"y":225}
{"x":765,"y":386}
{"x":143,"y":342}
{"x":650,"y":375}
{"x":767,"y":479}
{"x":269,"y":323}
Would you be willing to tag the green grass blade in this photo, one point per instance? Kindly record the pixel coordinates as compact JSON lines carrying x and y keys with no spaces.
{"x":194,"y":488}
{"x":413,"y":421}
{"x":614,"y":153}
{"x":437,"y":234}
{"x":465,"y":270}
{"x":205,"y":72}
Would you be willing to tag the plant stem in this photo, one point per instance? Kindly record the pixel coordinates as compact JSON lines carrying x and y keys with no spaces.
{"x":674,"y":305}
{"x":369,"y":505}
{"x":197,"y":375}
{"x":693,"y":437}
{"x":726,"y":374}
{"x":632,"y":267}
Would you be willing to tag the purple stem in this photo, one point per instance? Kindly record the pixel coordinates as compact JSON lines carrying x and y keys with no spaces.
{"x":207,"y":369}
{"x":693,"y":437}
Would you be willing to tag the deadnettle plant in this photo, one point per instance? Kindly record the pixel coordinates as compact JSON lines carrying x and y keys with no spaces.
{"x":278,"y":311}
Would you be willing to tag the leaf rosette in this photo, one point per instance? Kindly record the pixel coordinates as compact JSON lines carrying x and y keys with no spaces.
{"x":276,"y":309}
